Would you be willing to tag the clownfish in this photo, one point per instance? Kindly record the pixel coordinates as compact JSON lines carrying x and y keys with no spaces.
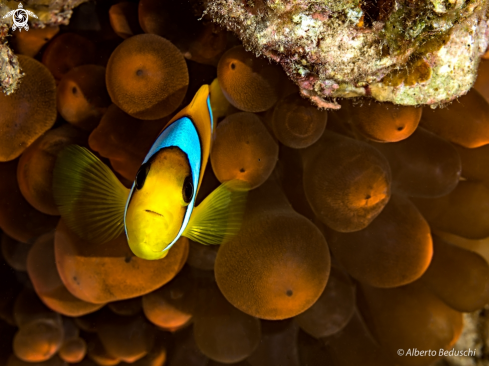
{"x":160,"y":206}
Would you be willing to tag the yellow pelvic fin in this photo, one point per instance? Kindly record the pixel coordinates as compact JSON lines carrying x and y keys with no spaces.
{"x":89,"y":196}
{"x":220,"y":214}
{"x":164,"y":253}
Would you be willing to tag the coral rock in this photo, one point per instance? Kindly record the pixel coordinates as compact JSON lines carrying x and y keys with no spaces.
{"x":409,"y":53}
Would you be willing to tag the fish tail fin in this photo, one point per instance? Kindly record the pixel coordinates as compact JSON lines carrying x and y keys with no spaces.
{"x":89,"y":196}
{"x":220,"y":214}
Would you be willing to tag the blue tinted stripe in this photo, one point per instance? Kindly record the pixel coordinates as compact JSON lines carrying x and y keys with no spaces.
{"x":210,"y":113}
{"x":182,"y":134}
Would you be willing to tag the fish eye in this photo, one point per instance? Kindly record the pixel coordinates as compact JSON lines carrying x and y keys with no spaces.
{"x":188,"y":189}
{"x":141,"y":175}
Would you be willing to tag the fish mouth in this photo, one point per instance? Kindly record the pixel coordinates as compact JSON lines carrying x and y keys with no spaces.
{"x":153,"y":212}
{"x":163,"y":220}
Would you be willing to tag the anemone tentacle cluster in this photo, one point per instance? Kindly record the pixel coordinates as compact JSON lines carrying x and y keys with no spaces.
{"x":49,"y":14}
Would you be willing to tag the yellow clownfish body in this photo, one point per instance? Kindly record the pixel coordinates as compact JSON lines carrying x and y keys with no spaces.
{"x":160,"y":207}
{"x":158,"y":204}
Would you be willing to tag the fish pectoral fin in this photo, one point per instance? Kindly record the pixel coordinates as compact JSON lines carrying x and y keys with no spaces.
{"x":220,"y":214}
{"x":89,"y":196}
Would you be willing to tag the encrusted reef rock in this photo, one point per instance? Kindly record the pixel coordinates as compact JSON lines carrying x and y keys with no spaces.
{"x":10,"y":73}
{"x":408,"y":52}
{"x":49,"y":13}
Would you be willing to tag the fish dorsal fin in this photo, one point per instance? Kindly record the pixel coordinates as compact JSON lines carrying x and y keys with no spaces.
{"x":89,"y":196}
{"x":220,"y":214}
{"x":200,"y":113}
